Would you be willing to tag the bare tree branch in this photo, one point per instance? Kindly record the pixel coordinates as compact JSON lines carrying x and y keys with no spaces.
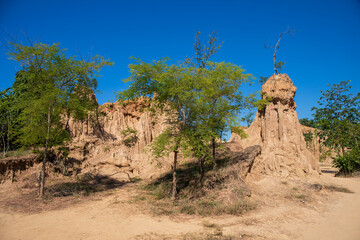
{"x":277,"y":46}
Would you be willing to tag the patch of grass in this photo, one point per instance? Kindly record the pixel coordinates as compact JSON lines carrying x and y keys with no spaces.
{"x":238,"y":207}
{"x":300,"y":196}
{"x":16,"y":153}
{"x":139,"y":198}
{"x":335,"y":188}
{"x":165,"y":210}
{"x":188,"y":209}
{"x":136,"y":179}
{"x":295,"y":188}
{"x":106,"y":149}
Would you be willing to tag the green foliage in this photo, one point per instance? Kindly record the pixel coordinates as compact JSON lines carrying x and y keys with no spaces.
{"x":308,"y":137}
{"x":200,"y":99}
{"x":239,"y":131}
{"x":262,"y":103}
{"x":262,"y":80}
{"x":338,"y":118}
{"x":130,"y":137}
{"x":248,"y":118}
{"x":279,"y":65}
{"x":49,"y":86}
{"x":308,"y":122}
{"x":128,"y":131}
{"x":349,"y":162}
{"x":204,"y":101}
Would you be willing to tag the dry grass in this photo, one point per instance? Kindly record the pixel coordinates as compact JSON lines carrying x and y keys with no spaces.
{"x":60,"y":192}
{"x":221,"y":193}
{"x":16,"y":153}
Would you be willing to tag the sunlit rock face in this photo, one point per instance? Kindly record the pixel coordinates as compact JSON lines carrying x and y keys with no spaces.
{"x":277,"y":129}
{"x":116,"y":139}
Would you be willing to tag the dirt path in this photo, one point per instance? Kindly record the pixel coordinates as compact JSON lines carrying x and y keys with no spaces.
{"x":343,"y":221}
{"x":110,"y":217}
{"x":98,"y":219}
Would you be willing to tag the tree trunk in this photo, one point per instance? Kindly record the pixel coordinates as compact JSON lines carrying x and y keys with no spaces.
{"x":4,"y":151}
{"x":42,"y":175}
{"x":275,"y":62}
{"x":213,"y":142}
{"x":173,"y":194}
{"x":202,"y":172}
{"x":8,"y":135}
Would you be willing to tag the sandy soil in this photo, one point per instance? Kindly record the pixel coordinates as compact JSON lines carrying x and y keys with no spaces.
{"x":113,"y":217}
{"x":343,"y":220}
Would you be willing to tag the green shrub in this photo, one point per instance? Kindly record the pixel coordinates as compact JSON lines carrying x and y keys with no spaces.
{"x":349,"y":162}
{"x":130,"y":137}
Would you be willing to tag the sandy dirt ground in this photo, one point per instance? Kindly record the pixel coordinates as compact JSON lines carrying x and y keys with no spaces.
{"x":112,"y":217}
{"x":343,"y":219}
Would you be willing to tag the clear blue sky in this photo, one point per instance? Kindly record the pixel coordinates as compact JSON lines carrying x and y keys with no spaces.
{"x":325,"y":48}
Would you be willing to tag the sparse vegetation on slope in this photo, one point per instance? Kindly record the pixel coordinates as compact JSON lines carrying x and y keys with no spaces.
{"x":223,"y":191}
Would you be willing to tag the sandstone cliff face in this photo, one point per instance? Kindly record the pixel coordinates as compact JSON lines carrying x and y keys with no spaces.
{"x":321,"y":152}
{"x":277,"y":130}
{"x":116,"y":139}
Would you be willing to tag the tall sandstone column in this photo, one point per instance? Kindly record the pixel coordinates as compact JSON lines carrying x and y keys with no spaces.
{"x":277,"y":130}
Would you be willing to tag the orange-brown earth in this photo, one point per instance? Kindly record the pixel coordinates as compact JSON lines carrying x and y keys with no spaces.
{"x":286,"y":210}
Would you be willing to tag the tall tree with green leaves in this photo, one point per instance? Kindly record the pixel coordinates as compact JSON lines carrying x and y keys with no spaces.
{"x":338,"y":118}
{"x":53,"y":81}
{"x":219,"y":89}
{"x":170,"y":88}
{"x":5,"y":120}
{"x":200,"y":98}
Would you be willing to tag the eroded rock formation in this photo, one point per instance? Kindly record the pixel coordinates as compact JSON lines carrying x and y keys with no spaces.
{"x":115,"y":139}
{"x":322,"y":153}
{"x":277,"y":130}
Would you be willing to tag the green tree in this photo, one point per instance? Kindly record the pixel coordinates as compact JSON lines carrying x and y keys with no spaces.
{"x":52,"y":84}
{"x":170,"y":88}
{"x":200,"y":99}
{"x":5,"y":120}
{"x":308,"y":122}
{"x":220,"y":97}
{"x":338,"y":118}
{"x":220,"y":101}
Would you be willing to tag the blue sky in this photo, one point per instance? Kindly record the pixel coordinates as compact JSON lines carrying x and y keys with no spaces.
{"x":325,"y":48}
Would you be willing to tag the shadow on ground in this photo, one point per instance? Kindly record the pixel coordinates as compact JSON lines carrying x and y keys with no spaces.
{"x":59,"y":193}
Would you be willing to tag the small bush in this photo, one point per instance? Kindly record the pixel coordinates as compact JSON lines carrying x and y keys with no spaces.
{"x":349,"y":162}
{"x":130,"y":137}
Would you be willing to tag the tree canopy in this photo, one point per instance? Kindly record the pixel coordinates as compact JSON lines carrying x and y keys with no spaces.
{"x":200,"y":100}
{"x":338,"y":117}
{"x":50,"y":86}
